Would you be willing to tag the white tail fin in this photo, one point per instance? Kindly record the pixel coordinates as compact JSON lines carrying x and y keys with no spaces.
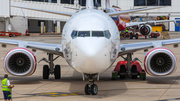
{"x":107,"y":4}
{"x":89,"y":4}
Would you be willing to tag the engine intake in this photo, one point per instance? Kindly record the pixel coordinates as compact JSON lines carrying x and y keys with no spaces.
{"x":20,"y":62}
{"x":145,"y":30}
{"x":160,"y":62}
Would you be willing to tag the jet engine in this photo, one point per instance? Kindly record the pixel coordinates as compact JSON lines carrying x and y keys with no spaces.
{"x":145,"y":29}
{"x":160,"y":62}
{"x":20,"y":62}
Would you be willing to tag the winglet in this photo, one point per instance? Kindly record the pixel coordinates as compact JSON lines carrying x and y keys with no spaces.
{"x":132,"y":11}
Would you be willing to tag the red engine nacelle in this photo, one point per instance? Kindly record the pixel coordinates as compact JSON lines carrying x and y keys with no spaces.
{"x":160,"y":62}
{"x":20,"y":62}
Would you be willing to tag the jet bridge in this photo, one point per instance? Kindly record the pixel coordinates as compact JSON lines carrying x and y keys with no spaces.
{"x":9,"y":13}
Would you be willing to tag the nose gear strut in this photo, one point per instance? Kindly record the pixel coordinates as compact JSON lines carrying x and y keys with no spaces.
{"x":91,"y":88}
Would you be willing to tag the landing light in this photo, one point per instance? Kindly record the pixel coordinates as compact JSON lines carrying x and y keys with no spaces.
{"x":123,"y":49}
{"x":57,"y":49}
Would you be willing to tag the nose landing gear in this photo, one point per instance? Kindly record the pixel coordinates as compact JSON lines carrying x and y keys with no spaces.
{"x":91,"y":88}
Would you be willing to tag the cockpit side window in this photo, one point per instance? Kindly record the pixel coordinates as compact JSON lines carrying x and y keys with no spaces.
{"x":97,"y":34}
{"x":84,"y":34}
{"x":107,"y":34}
{"x":74,"y":34}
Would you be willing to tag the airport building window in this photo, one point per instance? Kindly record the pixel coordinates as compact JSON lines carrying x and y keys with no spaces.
{"x":139,"y":3}
{"x":67,"y":1}
{"x":152,"y":2}
{"x":50,"y":1}
{"x":165,"y":3}
{"x":83,"y":2}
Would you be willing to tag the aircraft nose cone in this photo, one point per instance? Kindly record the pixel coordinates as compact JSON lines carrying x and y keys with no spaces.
{"x":91,"y":48}
{"x":91,"y":55}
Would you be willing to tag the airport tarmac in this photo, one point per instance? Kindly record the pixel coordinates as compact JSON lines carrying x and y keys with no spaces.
{"x":71,"y":86}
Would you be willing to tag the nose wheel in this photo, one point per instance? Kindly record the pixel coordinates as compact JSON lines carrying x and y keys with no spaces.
{"x":91,"y":88}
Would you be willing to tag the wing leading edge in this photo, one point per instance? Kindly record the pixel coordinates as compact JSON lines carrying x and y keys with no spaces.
{"x":129,"y":48}
{"x":46,"y":11}
{"x":49,"y":48}
{"x":148,"y":22}
{"x":132,"y":11}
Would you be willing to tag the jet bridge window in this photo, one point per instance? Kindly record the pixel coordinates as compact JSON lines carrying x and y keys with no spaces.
{"x":97,"y":34}
{"x":74,"y":34}
{"x":107,"y":34}
{"x":84,"y":34}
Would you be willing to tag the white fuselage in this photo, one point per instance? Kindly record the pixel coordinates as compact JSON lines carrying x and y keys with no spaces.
{"x":90,"y":54}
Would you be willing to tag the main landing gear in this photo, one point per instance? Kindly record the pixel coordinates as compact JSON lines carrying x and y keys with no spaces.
{"x":51,"y":69}
{"x":129,"y":68}
{"x":91,"y":88}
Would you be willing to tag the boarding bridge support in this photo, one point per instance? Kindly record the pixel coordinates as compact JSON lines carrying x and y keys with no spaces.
{"x":7,"y":25}
{"x":58,"y":26}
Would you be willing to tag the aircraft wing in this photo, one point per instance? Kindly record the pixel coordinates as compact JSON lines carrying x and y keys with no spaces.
{"x":47,"y":11}
{"x":128,"y":48}
{"x":148,"y":22}
{"x":46,"y":19}
{"x":132,"y":11}
{"x":49,"y":48}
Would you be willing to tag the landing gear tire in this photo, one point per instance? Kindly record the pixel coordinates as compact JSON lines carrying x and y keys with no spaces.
{"x":150,"y":36}
{"x":94,"y":89}
{"x":134,"y":77}
{"x":45,"y":72}
{"x":122,"y":76}
{"x":87,"y":89}
{"x":134,"y":72}
{"x":57,"y":72}
{"x":145,"y":37}
{"x":122,"y":72}
{"x":136,"y":36}
{"x":131,"y":36}
{"x":155,"y":35}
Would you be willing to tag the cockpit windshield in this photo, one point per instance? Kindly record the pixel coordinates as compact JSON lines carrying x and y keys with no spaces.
{"x":76,"y":34}
{"x":97,"y":34}
{"x":84,"y":34}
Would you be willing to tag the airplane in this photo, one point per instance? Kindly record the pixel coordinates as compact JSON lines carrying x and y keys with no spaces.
{"x":123,"y":21}
{"x":90,"y":45}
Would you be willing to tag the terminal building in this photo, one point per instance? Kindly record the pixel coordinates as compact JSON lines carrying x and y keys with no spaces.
{"x":19,"y":20}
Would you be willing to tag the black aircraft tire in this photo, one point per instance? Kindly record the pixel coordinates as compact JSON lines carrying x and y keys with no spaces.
{"x":134,"y":70}
{"x":145,"y":37}
{"x":136,"y":36}
{"x":86,"y":90}
{"x":94,"y":89}
{"x":122,"y":70}
{"x":45,"y":72}
{"x":155,"y":35}
{"x":57,"y":72}
{"x":134,"y":77}
{"x":122,"y":76}
{"x":131,"y":36}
